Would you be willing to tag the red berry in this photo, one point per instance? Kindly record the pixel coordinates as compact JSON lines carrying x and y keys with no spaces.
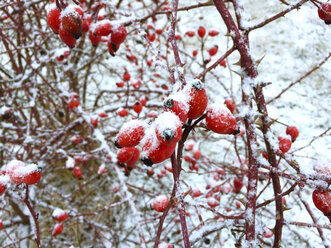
{"x":220,"y":120}
{"x":15,"y":170}
{"x":143,"y":101}
{"x":71,"y":21}
{"x":158,"y":31}
{"x":130,"y":134}
{"x":94,"y":122}
{"x":201,"y":32}
{"x":58,"y":228}
{"x":120,"y":84}
{"x":112,"y":48}
{"x":136,"y":85}
{"x":168,"y":128}
{"x":73,"y":104}
{"x":179,"y":108}
{"x":119,"y":34}
{"x":86,"y":24}
{"x":53,"y":19}
{"x":126,"y":76}
{"x":103,"y":114}
{"x":190,"y":33}
{"x":3,"y":187}
{"x":137,"y":107}
{"x":196,"y":154}
{"x":160,"y":203}
{"x":135,"y":157}
{"x":95,"y":40}
{"x":293,"y":132}
{"x":150,"y":172}
{"x":322,"y":201}
{"x":122,"y":112}
{"x":67,"y":39}
{"x":77,"y":139}
{"x":60,"y":215}
{"x":198,"y":99}
{"x":213,"y":50}
{"x":213,"y":33}
{"x":195,"y":193}
{"x":284,"y":144}
{"x":267,"y":233}
{"x":230,"y":104}
{"x":324,"y":12}
{"x":78,"y":172}
{"x":1,"y":225}
{"x":223,"y":63}
{"x":125,"y":154}
{"x":32,"y":176}
{"x":102,"y":28}
{"x":154,"y":152}
{"x":151,"y":37}
{"x":195,"y":53}
{"x":212,"y":202}
{"x":238,"y":184}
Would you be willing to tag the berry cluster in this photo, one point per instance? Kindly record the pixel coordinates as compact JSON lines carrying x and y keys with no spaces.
{"x":71,"y":21}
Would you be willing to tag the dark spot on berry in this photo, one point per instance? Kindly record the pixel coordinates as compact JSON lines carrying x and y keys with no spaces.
{"x":147,"y":161}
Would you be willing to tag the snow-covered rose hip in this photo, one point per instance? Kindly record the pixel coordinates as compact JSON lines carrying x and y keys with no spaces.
{"x":15,"y":170}
{"x":168,"y":128}
{"x":32,"y":174}
{"x":160,"y":203}
{"x":153,"y":152}
{"x":71,"y":21}
{"x":102,"y":28}
{"x":177,"y":105}
{"x":198,"y":99}
{"x":220,"y":120}
{"x":130,"y":133}
{"x":60,"y":215}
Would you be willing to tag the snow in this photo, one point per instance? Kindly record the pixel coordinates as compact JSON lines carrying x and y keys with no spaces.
{"x":57,"y":212}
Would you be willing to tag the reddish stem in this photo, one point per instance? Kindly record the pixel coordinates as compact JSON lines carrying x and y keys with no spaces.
{"x":33,"y":214}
